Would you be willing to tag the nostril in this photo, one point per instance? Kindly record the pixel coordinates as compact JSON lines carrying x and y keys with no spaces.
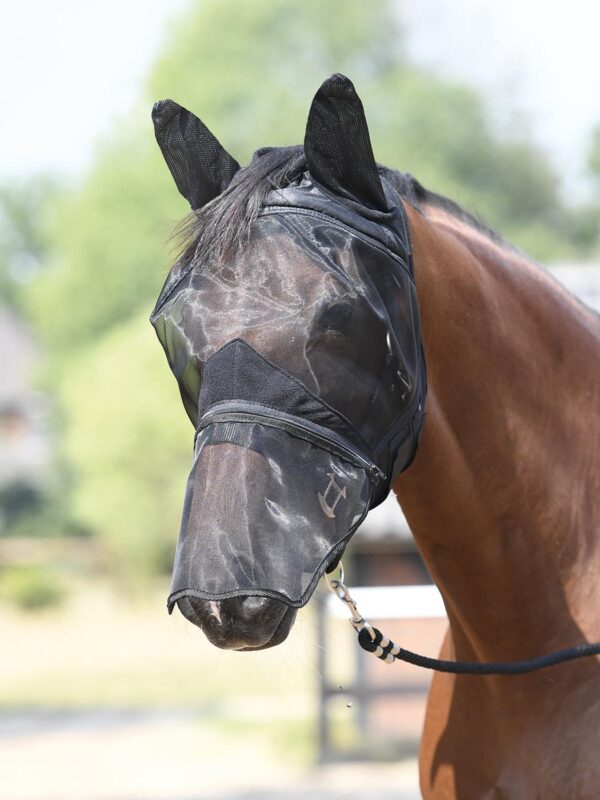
{"x":191,"y":608}
{"x":251,"y":607}
{"x":239,"y":623}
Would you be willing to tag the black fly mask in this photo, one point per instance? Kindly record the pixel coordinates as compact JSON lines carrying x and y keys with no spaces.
{"x":298,"y":357}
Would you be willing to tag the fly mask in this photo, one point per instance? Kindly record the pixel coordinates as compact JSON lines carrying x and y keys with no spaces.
{"x":297,"y":353}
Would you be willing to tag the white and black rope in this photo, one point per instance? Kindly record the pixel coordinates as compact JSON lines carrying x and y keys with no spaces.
{"x":374,"y":641}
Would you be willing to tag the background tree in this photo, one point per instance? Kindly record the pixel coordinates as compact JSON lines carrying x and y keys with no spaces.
{"x":594,"y":156}
{"x":249,"y":70}
{"x":24,"y":205}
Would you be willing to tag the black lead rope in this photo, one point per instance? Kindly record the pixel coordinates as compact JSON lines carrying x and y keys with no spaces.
{"x":373,"y":641}
{"x":383,"y":647}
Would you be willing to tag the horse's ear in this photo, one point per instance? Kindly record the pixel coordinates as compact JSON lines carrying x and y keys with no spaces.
{"x":201,"y":167}
{"x":337,"y":145}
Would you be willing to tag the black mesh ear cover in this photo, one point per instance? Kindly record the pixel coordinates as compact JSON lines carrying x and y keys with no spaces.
{"x":337,"y":144}
{"x":200,"y":166}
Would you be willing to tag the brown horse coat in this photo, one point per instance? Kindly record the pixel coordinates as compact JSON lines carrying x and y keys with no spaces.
{"x":502,"y":497}
{"x":503,"y":502}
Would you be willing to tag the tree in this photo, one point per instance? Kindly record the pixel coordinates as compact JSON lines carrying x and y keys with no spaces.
{"x":250,"y":71}
{"x":594,"y":155}
{"x":584,"y":221}
{"x":23,"y":237}
{"x":129,"y":445}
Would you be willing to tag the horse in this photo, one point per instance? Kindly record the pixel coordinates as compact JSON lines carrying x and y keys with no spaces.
{"x":500,"y":488}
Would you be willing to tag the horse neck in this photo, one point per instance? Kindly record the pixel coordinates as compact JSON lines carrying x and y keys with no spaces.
{"x":500,"y":497}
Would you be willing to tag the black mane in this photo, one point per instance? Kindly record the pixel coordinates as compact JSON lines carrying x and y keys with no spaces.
{"x":223,"y":224}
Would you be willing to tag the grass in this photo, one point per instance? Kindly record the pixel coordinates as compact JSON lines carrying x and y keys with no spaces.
{"x":101,"y":650}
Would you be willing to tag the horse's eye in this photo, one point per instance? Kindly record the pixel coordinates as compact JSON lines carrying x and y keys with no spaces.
{"x":336,"y":317}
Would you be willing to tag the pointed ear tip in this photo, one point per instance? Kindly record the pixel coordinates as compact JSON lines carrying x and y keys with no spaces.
{"x":338,"y":84}
{"x":163,"y":111}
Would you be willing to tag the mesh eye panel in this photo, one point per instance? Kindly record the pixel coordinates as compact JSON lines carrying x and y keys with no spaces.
{"x":326,"y":306}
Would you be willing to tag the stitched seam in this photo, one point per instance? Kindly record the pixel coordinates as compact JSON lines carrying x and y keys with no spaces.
{"x":297,"y":382}
{"x":277,"y":595}
{"x":309,"y":212}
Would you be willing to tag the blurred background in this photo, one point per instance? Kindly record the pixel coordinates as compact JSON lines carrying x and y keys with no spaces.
{"x":102,"y":695}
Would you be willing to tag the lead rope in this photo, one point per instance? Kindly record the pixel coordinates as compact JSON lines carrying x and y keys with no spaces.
{"x":373,"y":641}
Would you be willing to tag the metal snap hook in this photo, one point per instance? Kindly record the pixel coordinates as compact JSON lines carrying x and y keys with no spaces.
{"x":333,"y":582}
{"x":339,"y":588}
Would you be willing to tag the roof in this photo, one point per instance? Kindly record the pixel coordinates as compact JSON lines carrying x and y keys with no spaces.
{"x":385,"y":522}
{"x":583,"y":280}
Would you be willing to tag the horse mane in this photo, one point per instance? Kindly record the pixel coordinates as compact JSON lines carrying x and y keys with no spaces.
{"x":411,"y":190}
{"x":224,"y":223}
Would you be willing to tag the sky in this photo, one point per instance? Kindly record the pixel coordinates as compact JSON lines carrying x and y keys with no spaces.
{"x":68,"y":69}
{"x":537,"y":63}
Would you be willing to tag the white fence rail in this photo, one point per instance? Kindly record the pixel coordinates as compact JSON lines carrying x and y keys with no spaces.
{"x":392,"y":602}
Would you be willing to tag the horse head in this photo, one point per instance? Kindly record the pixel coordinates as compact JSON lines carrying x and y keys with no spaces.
{"x":291,"y":325}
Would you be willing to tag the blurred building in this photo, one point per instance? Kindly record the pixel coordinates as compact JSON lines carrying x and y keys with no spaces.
{"x":583,"y":280}
{"x":24,"y":442}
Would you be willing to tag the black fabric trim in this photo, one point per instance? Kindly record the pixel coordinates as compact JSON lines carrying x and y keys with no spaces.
{"x":367,"y":238}
{"x":389,"y":228}
{"x":238,"y":372}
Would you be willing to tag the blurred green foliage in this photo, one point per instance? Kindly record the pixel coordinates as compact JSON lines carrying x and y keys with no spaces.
{"x":24,"y":240}
{"x":30,"y":588}
{"x":111,"y":250}
{"x":130,"y":446}
{"x":33,"y":513}
{"x":594,"y":156}
{"x":250,"y":71}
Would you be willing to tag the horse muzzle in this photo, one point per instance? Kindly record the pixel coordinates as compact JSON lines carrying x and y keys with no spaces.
{"x":273,"y":497}
{"x":240,"y":623}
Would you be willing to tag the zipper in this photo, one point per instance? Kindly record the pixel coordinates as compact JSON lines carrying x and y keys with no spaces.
{"x":246,"y":412}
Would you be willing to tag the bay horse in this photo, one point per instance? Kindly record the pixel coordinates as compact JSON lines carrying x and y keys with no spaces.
{"x":502,"y":495}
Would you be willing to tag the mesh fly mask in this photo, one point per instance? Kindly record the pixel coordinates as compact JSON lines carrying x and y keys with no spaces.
{"x":298,"y":356}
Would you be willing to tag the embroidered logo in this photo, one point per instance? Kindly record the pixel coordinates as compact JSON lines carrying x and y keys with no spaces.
{"x":334,"y":491}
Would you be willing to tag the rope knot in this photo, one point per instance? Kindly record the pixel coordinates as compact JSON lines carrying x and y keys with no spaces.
{"x":365,"y":641}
